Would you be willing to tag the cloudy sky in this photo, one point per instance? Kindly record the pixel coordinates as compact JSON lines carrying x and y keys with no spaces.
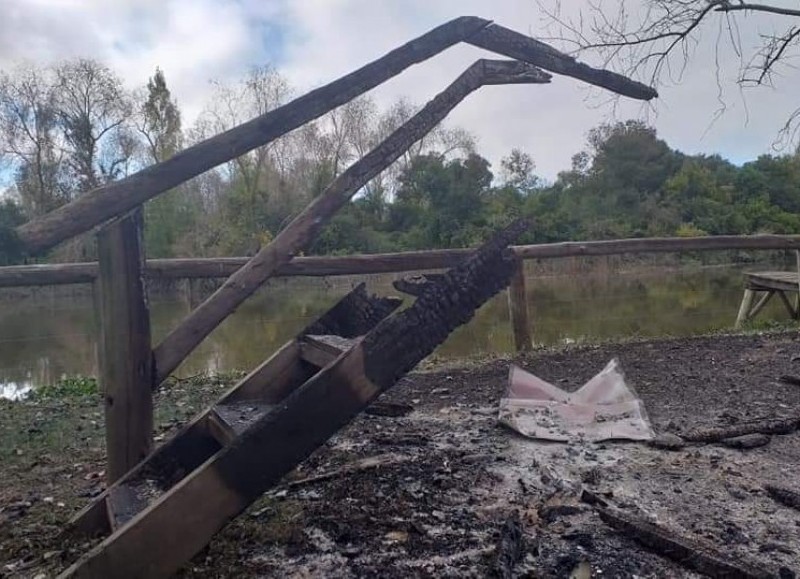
{"x":315,"y":41}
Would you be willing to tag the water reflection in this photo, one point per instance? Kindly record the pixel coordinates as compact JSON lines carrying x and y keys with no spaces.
{"x":42,"y":341}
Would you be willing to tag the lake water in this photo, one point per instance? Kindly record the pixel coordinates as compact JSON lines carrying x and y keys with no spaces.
{"x":43,"y":339}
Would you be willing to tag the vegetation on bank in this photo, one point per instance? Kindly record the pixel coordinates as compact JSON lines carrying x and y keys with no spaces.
{"x":625,"y":183}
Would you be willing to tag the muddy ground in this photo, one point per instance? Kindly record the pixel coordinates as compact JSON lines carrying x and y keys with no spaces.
{"x":426,"y":494}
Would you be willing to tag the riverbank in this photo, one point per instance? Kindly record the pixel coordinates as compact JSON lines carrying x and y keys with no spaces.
{"x":451,"y":476}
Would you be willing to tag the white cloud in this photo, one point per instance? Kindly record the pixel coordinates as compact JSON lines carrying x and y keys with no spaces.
{"x":317,"y":41}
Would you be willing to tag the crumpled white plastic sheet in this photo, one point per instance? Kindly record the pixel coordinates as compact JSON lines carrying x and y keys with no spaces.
{"x":604,"y":408}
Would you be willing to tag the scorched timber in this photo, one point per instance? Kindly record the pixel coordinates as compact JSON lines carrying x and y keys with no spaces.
{"x":160,"y":539}
{"x":688,"y":552}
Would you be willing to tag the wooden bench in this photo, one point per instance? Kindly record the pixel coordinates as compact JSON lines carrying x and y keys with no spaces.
{"x":769,"y":283}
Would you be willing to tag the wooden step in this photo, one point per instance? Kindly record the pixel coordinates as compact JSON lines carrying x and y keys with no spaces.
{"x":229,"y":420}
{"x":322,"y":350}
{"x":125,"y":501}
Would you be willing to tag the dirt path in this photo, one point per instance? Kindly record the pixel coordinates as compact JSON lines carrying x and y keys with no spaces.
{"x":450,"y":477}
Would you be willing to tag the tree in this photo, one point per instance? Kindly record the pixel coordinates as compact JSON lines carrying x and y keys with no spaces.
{"x":10,"y":217}
{"x":258,"y":176}
{"x":517,"y":170}
{"x":441,"y":203}
{"x":93,"y":110}
{"x":30,"y":141}
{"x":158,"y":120}
{"x":654,"y":40}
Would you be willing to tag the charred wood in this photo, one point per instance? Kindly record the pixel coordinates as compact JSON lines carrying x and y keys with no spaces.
{"x":689,"y":552}
{"x":720,"y":433}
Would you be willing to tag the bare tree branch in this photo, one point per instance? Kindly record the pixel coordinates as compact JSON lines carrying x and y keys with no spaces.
{"x":655,"y":39}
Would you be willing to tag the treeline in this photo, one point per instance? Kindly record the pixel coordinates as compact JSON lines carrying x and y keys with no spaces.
{"x":70,"y":128}
{"x":626,"y":183}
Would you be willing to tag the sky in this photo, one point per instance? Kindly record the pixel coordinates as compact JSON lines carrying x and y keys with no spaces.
{"x":313,"y":42}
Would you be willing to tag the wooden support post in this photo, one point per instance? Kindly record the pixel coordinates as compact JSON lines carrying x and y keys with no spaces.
{"x":518,"y":308}
{"x":744,"y":308}
{"x":126,"y":366}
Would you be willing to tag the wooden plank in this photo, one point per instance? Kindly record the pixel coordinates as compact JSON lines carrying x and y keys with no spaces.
{"x":219,"y":429}
{"x":305,"y":227}
{"x":101,"y":204}
{"x":322,"y":350}
{"x":236,"y":417}
{"x":318,"y":266}
{"x":793,"y":312}
{"x":772,"y":280}
{"x":518,"y":308}
{"x":180,"y":523}
{"x":123,"y":504}
{"x":274,"y":378}
{"x":356,"y":313}
{"x":761,"y":303}
{"x":744,"y":307}
{"x":126,"y":370}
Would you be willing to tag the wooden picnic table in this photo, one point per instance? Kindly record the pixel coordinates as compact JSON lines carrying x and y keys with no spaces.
{"x":769,"y":283}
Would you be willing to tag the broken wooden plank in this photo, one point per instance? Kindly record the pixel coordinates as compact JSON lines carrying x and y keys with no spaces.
{"x":689,"y":552}
{"x":182,"y":521}
{"x":719,"y":433}
{"x":785,"y":496}
{"x":303,"y":229}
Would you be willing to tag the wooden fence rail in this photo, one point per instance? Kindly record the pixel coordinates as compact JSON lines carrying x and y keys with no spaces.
{"x":223,"y":267}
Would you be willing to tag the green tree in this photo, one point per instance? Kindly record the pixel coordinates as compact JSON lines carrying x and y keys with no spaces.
{"x":169,"y":216}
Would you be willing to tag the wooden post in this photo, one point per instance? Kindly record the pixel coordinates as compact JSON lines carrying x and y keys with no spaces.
{"x":744,"y":308}
{"x":518,"y":308}
{"x":126,"y":359}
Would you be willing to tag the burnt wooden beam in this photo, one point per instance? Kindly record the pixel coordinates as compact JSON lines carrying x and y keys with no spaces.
{"x":306,"y":226}
{"x":510,"y":43}
{"x":399,"y":342}
{"x":719,"y":433}
{"x":689,"y":552}
{"x":785,"y":496}
{"x":181,"y":522}
{"x":105,"y":202}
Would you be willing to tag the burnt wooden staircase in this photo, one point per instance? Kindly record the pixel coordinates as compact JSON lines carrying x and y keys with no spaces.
{"x":163,"y":511}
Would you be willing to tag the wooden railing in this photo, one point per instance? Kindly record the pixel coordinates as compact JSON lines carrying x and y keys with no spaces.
{"x":376,"y":263}
{"x":411,"y":261}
